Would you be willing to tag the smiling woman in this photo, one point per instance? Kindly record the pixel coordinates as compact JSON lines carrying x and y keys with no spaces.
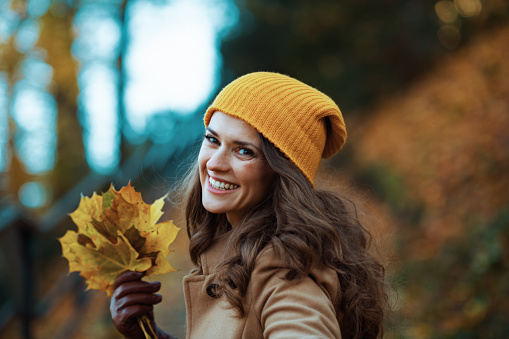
{"x":275,"y":256}
{"x":234,"y":174}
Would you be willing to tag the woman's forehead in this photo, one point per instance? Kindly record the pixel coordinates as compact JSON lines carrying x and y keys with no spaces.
{"x":228,"y":125}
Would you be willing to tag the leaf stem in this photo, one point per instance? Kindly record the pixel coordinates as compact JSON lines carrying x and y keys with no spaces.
{"x":142,"y":321}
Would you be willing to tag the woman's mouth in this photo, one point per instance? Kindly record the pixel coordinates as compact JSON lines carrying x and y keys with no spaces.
{"x":219,"y":185}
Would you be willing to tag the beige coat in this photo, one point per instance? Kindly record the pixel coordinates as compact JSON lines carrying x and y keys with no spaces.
{"x":275,"y":308}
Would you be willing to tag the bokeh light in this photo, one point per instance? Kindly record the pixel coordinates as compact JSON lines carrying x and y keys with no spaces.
{"x":36,"y":71}
{"x":468,"y":8}
{"x":27,"y":35}
{"x":98,"y":33}
{"x":33,"y":194}
{"x":34,"y":111}
{"x":8,"y":23}
{"x":449,"y":12}
{"x":172,"y":59}
{"x":4,"y":122}
{"x":97,"y":47}
{"x":99,"y":116}
{"x":37,"y":8}
{"x":449,"y":36}
{"x":446,"y":11}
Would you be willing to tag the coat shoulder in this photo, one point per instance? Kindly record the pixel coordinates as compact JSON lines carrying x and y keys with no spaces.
{"x":294,"y":308}
{"x":269,"y":266}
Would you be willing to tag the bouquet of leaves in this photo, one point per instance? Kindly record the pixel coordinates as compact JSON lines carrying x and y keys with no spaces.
{"x":118,"y":232}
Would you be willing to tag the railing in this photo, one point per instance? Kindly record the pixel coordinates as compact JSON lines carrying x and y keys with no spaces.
{"x":21,"y":231}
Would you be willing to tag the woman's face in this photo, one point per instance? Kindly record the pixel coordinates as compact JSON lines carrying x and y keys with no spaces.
{"x":234,"y":174}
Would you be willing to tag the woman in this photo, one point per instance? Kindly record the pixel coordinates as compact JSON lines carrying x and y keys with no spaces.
{"x":275,"y":257}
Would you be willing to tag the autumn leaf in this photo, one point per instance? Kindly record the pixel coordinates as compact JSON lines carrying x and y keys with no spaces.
{"x":117,"y":232}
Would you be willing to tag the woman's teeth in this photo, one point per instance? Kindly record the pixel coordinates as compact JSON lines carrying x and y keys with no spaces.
{"x":218,"y":185}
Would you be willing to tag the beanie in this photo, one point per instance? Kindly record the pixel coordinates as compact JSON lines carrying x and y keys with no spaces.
{"x":302,"y":122}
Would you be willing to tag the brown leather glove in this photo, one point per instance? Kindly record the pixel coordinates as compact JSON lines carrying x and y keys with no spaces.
{"x":133,"y":298}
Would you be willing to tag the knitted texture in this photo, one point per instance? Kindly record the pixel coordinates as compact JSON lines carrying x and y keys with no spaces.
{"x":305,"y":124}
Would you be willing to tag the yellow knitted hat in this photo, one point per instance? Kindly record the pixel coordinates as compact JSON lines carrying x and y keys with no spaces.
{"x":302,"y":122}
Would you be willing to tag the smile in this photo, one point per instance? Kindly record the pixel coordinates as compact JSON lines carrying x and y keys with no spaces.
{"x":218,"y":185}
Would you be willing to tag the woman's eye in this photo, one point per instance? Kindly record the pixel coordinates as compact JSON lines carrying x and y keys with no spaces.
{"x":246,"y":151}
{"x":211,"y":139}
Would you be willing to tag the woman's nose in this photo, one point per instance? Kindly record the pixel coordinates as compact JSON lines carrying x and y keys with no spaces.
{"x":219,"y":161}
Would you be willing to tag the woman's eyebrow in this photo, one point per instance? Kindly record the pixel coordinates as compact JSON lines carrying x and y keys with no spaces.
{"x":237,"y":142}
{"x":208,"y":129}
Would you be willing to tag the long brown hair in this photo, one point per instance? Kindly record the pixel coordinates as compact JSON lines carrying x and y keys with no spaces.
{"x":305,"y":226}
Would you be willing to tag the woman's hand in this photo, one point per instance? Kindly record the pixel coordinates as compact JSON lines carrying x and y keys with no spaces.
{"x":133,"y":298}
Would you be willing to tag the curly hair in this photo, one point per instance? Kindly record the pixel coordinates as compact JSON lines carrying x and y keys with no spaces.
{"x":305,"y":226}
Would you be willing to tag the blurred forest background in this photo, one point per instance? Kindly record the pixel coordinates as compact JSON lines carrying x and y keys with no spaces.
{"x":423,"y":85}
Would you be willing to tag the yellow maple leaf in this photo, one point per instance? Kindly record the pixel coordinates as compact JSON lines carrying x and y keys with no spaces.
{"x":117,"y":232}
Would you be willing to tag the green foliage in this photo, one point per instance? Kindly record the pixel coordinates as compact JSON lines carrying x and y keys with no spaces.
{"x":461,"y":290}
{"x":389,"y":186}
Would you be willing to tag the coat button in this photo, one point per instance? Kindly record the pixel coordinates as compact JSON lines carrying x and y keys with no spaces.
{"x":212,"y":291}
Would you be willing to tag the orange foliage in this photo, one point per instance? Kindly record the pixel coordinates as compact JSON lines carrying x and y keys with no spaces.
{"x":447,"y":138}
